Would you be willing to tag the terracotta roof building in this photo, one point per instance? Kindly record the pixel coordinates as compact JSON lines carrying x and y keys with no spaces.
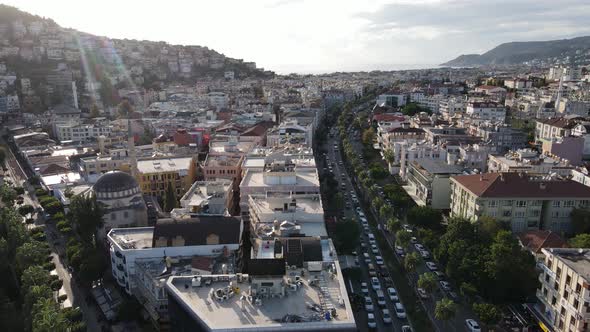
{"x":526,"y":202}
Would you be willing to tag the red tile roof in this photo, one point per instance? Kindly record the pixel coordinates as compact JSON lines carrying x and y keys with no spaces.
{"x":388,"y":117}
{"x":517,"y":185}
{"x":539,"y":239}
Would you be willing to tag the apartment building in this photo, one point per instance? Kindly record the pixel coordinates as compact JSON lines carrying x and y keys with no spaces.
{"x":486,"y":111}
{"x":547,"y":130}
{"x":428,"y":182}
{"x":392,"y":99}
{"x":81,"y":132}
{"x":528,"y":161}
{"x":525,"y":202}
{"x":155,"y":175}
{"x":564,"y":294}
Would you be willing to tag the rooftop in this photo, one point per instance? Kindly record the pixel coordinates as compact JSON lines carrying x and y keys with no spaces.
{"x":164,"y":165}
{"x":436,"y":166}
{"x":305,"y":178}
{"x":223,"y":302}
{"x":520,"y":185}
{"x":132,"y":237}
{"x":224,"y":160}
{"x":577,"y":259}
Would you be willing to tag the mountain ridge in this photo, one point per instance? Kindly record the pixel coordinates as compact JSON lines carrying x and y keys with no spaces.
{"x":512,"y":53}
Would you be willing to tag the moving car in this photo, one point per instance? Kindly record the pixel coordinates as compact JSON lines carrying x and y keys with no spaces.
{"x":386,"y":316}
{"x":369,"y":304}
{"x":400,"y":251}
{"x":472,"y":325}
{"x":392,"y":294}
{"x":371,"y":322}
{"x":379,"y":260}
{"x":364,"y":288}
{"x":400,"y":311}
{"x":375,"y":283}
{"x":374,"y":249}
{"x":381,"y":298}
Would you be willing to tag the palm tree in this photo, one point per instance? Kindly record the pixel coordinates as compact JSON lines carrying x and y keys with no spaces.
{"x":393,"y":224}
{"x":389,"y":156}
{"x":411,"y":261}
{"x":427,"y":282}
{"x":402,"y":239}
{"x":445,"y":310}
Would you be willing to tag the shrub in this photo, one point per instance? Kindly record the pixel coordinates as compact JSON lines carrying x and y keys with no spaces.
{"x":49,"y":266}
{"x":39,"y":237}
{"x":56,"y":285}
{"x":62,"y":298}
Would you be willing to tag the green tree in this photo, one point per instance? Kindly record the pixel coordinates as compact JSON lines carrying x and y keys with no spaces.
{"x":425,"y":216}
{"x":488,"y":228}
{"x":47,"y":317}
{"x":487,"y":313}
{"x":580,"y":221}
{"x":25,"y":209}
{"x":386,"y":212}
{"x":429,"y":238}
{"x":125,"y":109}
{"x":368,"y":136}
{"x":445,"y":310}
{"x":512,"y":270}
{"x":2,"y":156}
{"x":170,"y":201}
{"x":35,"y":276}
{"x":427,"y":282}
{"x":31,"y":254}
{"x":468,"y":290}
{"x":389,"y":156}
{"x":580,"y":241}
{"x":7,"y":194}
{"x":393,"y":224}
{"x":10,"y":319}
{"x":86,"y":214}
{"x":402,"y":238}
{"x":346,"y":236}
{"x":411,"y":261}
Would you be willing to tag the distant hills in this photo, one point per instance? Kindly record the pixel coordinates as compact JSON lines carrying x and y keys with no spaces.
{"x":541,"y":52}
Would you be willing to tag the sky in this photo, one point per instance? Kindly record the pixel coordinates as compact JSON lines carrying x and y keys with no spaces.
{"x":314,"y":36}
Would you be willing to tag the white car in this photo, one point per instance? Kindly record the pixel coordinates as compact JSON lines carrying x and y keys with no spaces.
{"x":375,"y":283}
{"x":400,"y":311}
{"x":424,"y":254}
{"x":364,"y":288}
{"x":418,"y":246}
{"x":378,"y":260}
{"x":392,"y":294}
{"x":369,"y":304}
{"x":431,"y":266}
{"x":422,"y":293}
{"x":371,"y":322}
{"x":472,"y":325}
{"x":386,"y":316}
{"x":445,"y":285}
{"x":406,"y":328}
{"x":374,"y":249}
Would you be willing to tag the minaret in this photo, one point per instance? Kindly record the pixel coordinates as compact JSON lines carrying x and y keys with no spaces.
{"x":131,"y":148}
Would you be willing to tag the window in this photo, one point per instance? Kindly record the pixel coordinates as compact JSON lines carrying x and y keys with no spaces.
{"x":520,"y":203}
{"x":553,"y":300}
{"x":492,"y":203}
{"x":555,"y":285}
{"x":576,"y":304}
{"x":568,"y":203}
{"x":572,"y":321}
{"x":578,"y":288}
{"x":568,"y":280}
{"x":556,"y":203}
{"x":507,"y":213}
{"x":562,"y":312}
{"x":566,"y":295}
{"x":519,"y":214}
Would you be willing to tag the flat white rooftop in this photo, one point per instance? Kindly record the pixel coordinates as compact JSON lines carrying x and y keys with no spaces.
{"x":164,"y":165}
{"x":132,"y":238}
{"x":305,"y":178}
{"x":237,"y":314}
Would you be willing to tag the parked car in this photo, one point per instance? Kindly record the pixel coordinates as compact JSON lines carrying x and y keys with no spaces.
{"x":364,"y":288}
{"x":431,"y":266}
{"x":392,"y":294}
{"x":406,"y":328}
{"x":418,"y":246}
{"x":422,"y":293}
{"x":472,"y":325}
{"x":445,"y":285}
{"x":371,"y":322}
{"x":386,"y":316}
{"x":375,"y":283}
{"x":400,"y":251}
{"x":400,"y":311}
{"x":413,"y":239}
{"x":424,"y":254}
{"x":369,"y":304}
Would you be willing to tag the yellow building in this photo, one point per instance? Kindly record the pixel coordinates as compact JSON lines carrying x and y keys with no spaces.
{"x":154,"y":175}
